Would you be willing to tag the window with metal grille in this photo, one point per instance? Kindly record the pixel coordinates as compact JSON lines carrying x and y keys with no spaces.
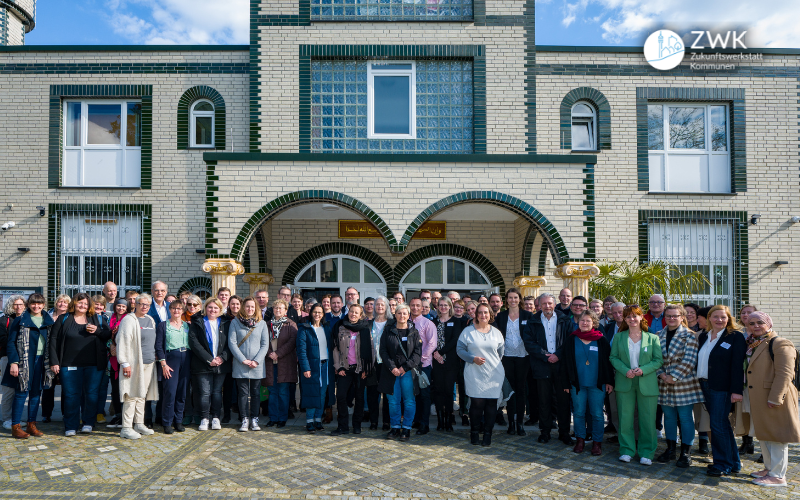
{"x":706,"y":246}
{"x":391,"y":10}
{"x":97,"y":247}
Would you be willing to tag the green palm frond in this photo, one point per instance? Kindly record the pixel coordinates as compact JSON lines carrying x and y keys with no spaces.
{"x":634,"y":282}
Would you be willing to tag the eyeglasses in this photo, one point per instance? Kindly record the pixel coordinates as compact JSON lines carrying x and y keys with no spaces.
{"x":578,"y":304}
{"x":656,"y":302}
{"x":672,"y":316}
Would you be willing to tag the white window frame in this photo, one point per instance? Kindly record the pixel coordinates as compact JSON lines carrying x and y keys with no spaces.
{"x":412,"y":75}
{"x":582,"y":118}
{"x":469,"y":287}
{"x":194,"y":114}
{"x":360,"y":285}
{"x":85,"y":146}
{"x":661,"y":184}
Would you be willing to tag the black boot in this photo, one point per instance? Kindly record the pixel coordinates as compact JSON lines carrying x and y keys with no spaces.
{"x":512,"y":426}
{"x":475,"y":437}
{"x":405,"y":435}
{"x":669,"y":453}
{"x":520,"y":428}
{"x":487,"y":439}
{"x":448,"y":423}
{"x":439,"y":422}
{"x":702,"y":448}
{"x":747,"y":447}
{"x":686,"y":456}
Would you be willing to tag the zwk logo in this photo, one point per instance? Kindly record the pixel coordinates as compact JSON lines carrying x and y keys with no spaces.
{"x":717,"y":40}
{"x":664,"y":49}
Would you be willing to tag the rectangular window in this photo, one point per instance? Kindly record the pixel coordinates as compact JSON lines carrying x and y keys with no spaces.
{"x":689,"y":147}
{"x":391,"y":100}
{"x":391,"y":10}
{"x":97,"y":247}
{"x":94,"y":152}
{"x":706,"y":246}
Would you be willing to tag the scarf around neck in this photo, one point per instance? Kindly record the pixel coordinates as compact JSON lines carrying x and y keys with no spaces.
{"x":753,"y":342}
{"x":590,"y":335}
{"x":277,"y":324}
{"x":365,"y":340}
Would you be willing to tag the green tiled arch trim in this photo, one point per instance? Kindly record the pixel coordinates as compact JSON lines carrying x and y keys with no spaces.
{"x":741,"y":250}
{"x":452,"y":250}
{"x":185,"y":103}
{"x":281,"y":203}
{"x":533,"y":239}
{"x":527,"y":249}
{"x":511,"y":203}
{"x":735,"y":97}
{"x":54,"y":239}
{"x":602,"y":108}
{"x":475,"y":53}
{"x":333,"y":248}
{"x":59,"y":92}
{"x":542,"y":260}
{"x":198,"y":282}
{"x":262,"y":255}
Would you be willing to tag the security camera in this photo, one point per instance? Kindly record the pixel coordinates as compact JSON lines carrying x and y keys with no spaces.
{"x":754,"y":219}
{"x":8,"y":225}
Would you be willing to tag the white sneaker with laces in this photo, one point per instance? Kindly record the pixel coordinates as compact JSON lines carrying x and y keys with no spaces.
{"x":143,"y":429}
{"x":645,"y":461}
{"x":254,"y":424}
{"x":625,"y":458}
{"x":215,"y":425}
{"x":86,"y":429}
{"x":455,"y":406}
{"x":433,"y":409}
{"x":70,"y":434}
{"x":203,"y":425}
{"x":245,"y":425}
{"x":129,"y":433}
{"x":7,"y":425}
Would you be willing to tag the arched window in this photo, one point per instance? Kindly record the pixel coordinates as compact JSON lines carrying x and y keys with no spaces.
{"x":335,"y":273}
{"x":445,"y":273}
{"x":202,"y":124}
{"x":584,"y":127}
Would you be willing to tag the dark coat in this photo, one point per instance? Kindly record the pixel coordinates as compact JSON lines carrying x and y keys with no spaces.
{"x":392,"y":355}
{"x":287,"y":355}
{"x":726,"y":365}
{"x":444,"y":375}
{"x":161,"y":347}
{"x":154,"y":314}
{"x":501,"y":321}
{"x":608,"y":331}
{"x":569,"y":370}
{"x":55,"y":342}
{"x":201,"y":352}
{"x":5,"y":325}
{"x":34,"y":332}
{"x":535,"y":342}
{"x":308,"y":357}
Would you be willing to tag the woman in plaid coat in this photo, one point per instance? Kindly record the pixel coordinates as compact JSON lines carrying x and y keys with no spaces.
{"x":678,"y":386}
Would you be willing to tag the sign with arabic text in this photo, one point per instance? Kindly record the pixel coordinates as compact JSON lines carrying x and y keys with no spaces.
{"x":358,"y":229}
{"x":432,"y":230}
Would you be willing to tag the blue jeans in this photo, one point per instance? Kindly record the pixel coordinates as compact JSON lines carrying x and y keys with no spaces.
{"x":723,"y":443}
{"x":174,"y":389}
{"x":34,"y":393}
{"x":278,"y":399}
{"x":403,"y":390}
{"x":102,"y":394}
{"x":671,"y":416}
{"x":80,"y":384}
{"x":589,"y":399}
{"x":315,"y":414}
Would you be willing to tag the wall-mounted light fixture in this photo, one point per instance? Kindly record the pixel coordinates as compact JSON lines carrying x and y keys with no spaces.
{"x":781,"y":262}
{"x":754,"y":219}
{"x":795,"y":219}
{"x":41,"y":211}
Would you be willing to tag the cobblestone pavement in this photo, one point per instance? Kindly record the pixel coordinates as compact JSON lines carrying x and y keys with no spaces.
{"x":289,"y":463}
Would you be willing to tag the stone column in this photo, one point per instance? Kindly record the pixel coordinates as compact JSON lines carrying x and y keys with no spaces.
{"x":223,"y":273}
{"x":576,"y":276}
{"x":258,"y":281}
{"x":529,"y":285}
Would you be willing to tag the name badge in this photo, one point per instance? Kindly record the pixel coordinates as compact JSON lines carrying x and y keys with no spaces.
{"x":525,"y":322}
{"x":593,"y":348}
{"x":71,"y":368}
{"x":353,"y":337}
{"x":645,"y":349}
{"x":449,"y":324}
{"x":404,"y":339}
{"x":725,"y":345}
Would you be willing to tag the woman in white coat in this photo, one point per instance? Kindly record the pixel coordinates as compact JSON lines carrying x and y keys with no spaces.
{"x":136,"y":354}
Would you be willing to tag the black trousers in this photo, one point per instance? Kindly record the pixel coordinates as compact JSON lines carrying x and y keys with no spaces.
{"x":208,"y":390}
{"x":462,"y":394}
{"x":548,"y":389}
{"x":482,"y":412}
{"x":374,"y":402}
{"x":517,"y":373}
{"x":249,"y":392}
{"x":49,"y":401}
{"x":228,"y":394}
{"x":343,"y":384}
{"x":533,"y":396}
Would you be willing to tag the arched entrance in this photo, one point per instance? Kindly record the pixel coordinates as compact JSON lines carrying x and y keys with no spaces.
{"x":445,"y":274}
{"x":333,"y":274}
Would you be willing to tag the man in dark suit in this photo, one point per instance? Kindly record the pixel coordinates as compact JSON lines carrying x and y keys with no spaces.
{"x":544,"y":342}
{"x":262,"y":297}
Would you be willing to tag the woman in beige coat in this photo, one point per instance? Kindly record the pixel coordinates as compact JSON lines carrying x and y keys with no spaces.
{"x":136,"y":341}
{"x":773,"y":397}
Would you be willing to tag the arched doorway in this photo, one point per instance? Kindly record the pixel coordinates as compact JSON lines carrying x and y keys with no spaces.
{"x":446,"y":274}
{"x":333,"y":274}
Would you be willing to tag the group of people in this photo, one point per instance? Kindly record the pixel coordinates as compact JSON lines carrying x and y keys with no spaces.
{"x":677,"y":367}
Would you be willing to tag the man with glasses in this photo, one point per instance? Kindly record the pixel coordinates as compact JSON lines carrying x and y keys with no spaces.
{"x":159,"y":308}
{"x":351,"y":297}
{"x":576,"y":308}
{"x":398,"y":297}
{"x":655,"y":313}
{"x":285,"y":293}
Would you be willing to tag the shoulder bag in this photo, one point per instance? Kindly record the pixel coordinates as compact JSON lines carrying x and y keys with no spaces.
{"x":422,"y":379}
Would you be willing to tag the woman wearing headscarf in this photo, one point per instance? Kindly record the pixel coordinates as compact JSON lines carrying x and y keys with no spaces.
{"x":314,"y":350}
{"x":742,"y":423}
{"x":248,"y":341}
{"x":771,"y":396}
{"x":281,"y":363}
{"x":354,"y":361}
{"x":28,"y":364}
{"x":679,"y":389}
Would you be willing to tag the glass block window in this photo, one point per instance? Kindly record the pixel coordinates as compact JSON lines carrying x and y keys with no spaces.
{"x":443,"y":96}
{"x":391,"y":10}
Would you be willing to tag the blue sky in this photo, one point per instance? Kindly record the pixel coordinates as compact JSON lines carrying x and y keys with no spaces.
{"x":770,"y":23}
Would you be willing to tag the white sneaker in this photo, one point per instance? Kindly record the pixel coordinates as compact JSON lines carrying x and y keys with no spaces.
{"x":433,"y":409}
{"x":645,"y":461}
{"x":143,"y":429}
{"x":70,"y":434}
{"x":349,"y":411}
{"x":456,"y":407}
{"x":215,"y":425}
{"x":254,"y":424}
{"x":7,"y":425}
{"x":203,"y":425}
{"x":245,"y":425}
{"x":86,"y":429}
{"x":625,"y":458}
{"x":129,"y":433}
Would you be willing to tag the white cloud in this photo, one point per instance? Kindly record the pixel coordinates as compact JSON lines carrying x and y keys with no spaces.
{"x":181,"y":21}
{"x":769,"y":23}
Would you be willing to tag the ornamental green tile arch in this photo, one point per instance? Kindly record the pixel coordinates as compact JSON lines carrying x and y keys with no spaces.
{"x":185,"y":103}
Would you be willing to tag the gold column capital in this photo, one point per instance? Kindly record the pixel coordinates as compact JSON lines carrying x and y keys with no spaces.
{"x":573,"y":270}
{"x":257,"y":279}
{"x":529,"y":281}
{"x":229,"y":267}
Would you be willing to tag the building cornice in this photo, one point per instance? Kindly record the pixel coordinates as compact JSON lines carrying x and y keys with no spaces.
{"x":400,"y":158}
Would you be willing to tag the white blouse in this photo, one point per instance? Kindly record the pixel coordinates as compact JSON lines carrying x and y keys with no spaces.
{"x":633,"y":352}
{"x":702,"y":356}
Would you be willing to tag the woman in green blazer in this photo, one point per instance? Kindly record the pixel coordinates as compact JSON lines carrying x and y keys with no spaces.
{"x":636,"y":355}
